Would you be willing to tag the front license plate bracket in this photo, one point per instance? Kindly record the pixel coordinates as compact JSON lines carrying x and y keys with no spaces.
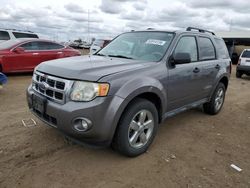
{"x":38,"y":104}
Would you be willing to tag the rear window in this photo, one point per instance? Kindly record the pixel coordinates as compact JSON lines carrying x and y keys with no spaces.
{"x":4,"y":35}
{"x":24,"y":35}
{"x":222,"y":49}
{"x":246,"y":54}
{"x":206,"y":47}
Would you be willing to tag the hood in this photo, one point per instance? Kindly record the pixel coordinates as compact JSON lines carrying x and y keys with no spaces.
{"x":89,"y":68}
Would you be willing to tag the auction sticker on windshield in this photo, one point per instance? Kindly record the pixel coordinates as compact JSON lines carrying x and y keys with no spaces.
{"x":155,"y":42}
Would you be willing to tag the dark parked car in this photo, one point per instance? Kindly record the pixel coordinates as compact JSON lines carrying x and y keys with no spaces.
{"x":121,"y":94}
{"x":23,"y":55}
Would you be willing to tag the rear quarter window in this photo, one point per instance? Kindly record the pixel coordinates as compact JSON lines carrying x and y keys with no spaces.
{"x":206,"y":49}
{"x":4,"y":35}
{"x":24,"y":35}
{"x":222,"y":49}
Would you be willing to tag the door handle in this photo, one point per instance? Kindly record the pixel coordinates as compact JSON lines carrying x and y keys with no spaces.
{"x":35,"y":54}
{"x":59,"y":52}
{"x":196,"y":70}
{"x":217,"y":66}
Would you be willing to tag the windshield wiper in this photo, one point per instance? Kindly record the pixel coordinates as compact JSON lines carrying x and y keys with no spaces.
{"x":100,"y":54}
{"x":120,"y":56}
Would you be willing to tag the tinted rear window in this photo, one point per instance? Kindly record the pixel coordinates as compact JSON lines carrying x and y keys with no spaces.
{"x":246,"y":54}
{"x":24,"y":35}
{"x":222,"y":49}
{"x":4,"y":35}
{"x":207,"y":51}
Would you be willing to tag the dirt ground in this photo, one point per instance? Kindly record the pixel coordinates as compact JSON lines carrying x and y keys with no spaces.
{"x":190,"y":150}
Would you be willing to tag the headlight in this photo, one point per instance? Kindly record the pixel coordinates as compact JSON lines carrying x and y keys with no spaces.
{"x":87,"y":91}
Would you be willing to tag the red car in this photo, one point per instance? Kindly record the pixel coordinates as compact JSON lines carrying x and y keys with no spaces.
{"x":23,"y":55}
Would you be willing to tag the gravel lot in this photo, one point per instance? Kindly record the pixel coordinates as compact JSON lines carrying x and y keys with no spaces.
{"x":190,"y":150}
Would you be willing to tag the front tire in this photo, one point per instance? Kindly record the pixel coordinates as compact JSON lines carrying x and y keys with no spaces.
{"x":137,"y":128}
{"x":215,"y":104}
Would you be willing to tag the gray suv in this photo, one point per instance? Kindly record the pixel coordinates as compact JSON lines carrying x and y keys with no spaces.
{"x":121,"y":94}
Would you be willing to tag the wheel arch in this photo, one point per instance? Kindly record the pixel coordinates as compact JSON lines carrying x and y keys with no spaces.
{"x":225,"y":81}
{"x":150,"y":96}
{"x":153,"y":98}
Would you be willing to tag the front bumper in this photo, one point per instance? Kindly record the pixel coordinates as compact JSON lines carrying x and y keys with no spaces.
{"x":243,"y":69}
{"x":100,"y":111}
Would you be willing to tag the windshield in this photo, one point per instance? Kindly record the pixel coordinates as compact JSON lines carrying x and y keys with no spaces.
{"x":8,"y":44}
{"x":148,"y":46}
{"x":246,"y":54}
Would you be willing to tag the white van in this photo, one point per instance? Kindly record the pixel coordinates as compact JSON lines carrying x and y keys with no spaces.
{"x":98,"y":44}
{"x":8,"y":34}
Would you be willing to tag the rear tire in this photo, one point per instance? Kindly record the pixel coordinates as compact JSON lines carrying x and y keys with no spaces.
{"x":136,"y":129}
{"x":238,"y":74}
{"x":216,"y":103}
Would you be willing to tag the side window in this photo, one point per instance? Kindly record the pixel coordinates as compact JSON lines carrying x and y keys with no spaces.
{"x":4,"y":35}
{"x":30,"y":46}
{"x":206,"y":47}
{"x":222,"y":49}
{"x":49,"y":46}
{"x":24,"y":35}
{"x":187,"y":45}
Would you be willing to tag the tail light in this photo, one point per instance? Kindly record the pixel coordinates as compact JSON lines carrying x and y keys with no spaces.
{"x":239,"y":61}
{"x":230,"y":67}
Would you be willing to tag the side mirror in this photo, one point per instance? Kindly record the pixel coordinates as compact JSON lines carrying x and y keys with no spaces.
{"x":180,"y":58}
{"x":19,"y":50}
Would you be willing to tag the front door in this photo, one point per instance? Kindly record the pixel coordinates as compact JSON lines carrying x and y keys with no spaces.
{"x":185,"y":80}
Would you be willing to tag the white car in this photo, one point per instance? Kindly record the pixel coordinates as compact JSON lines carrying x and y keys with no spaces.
{"x":243,"y":66}
{"x":9,"y":34}
{"x":97,"y":45}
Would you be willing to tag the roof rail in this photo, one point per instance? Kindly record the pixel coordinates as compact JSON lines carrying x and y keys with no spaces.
{"x":200,"y":30}
{"x":18,"y":30}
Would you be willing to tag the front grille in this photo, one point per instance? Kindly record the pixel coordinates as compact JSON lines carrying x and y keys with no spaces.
{"x":51,"y":87}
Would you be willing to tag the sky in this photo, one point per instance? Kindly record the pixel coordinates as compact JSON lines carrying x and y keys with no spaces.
{"x":65,"y":20}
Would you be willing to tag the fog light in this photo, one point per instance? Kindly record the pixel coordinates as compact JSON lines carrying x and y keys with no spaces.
{"x":82,"y":124}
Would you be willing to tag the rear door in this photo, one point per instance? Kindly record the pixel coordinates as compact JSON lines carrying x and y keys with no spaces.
{"x":210,"y":65}
{"x":184,"y":84}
